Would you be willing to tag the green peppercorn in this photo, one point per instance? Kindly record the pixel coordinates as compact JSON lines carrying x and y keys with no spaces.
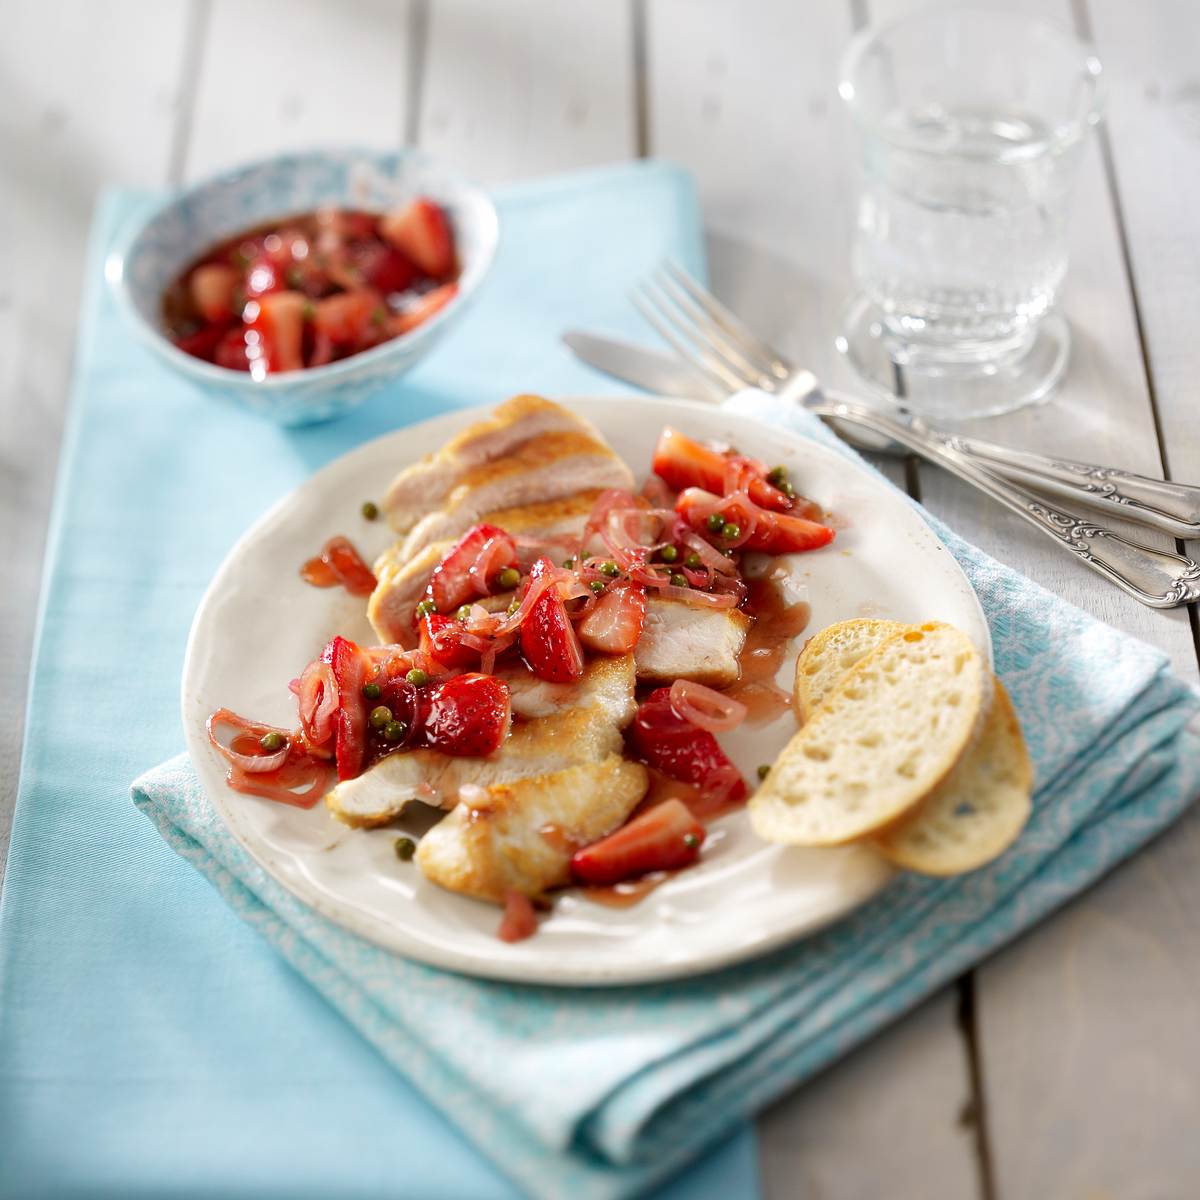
{"x":693,"y":561}
{"x":788,"y":491}
{"x":777,"y":476}
{"x":610,"y":569}
{"x":308,"y":311}
{"x":417,"y":677}
{"x":715,"y":522}
{"x":380,"y":716}
{"x":679,"y":581}
{"x":393,"y":731}
{"x":569,"y":563}
{"x":597,"y":586}
{"x":425,"y":608}
{"x":669,"y":553}
{"x":691,"y":841}
{"x":464,"y":611}
{"x":379,"y":316}
{"x":732,"y":531}
{"x":512,"y":608}
{"x":764,"y":769}
{"x":271,"y":742}
{"x":508,"y":578}
{"x":370,"y":510}
{"x":372,"y":691}
{"x":405,"y":849}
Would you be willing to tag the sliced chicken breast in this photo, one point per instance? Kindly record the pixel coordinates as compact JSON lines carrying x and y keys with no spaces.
{"x":399,"y":585}
{"x":685,"y":641}
{"x":606,"y":684}
{"x":547,"y":467}
{"x":423,"y":486}
{"x":587,"y":733}
{"x":562,"y":516}
{"x":519,"y":836}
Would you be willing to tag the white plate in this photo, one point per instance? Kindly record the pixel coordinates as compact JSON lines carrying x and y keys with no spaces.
{"x":259,"y":624}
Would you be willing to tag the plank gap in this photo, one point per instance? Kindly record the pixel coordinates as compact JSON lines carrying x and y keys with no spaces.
{"x":195,"y":38}
{"x":974,"y":1114}
{"x":641,"y":92}
{"x":416,"y":58}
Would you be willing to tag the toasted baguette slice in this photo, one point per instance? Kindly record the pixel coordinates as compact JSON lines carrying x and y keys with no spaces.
{"x":828,"y":655}
{"x":891,"y":729}
{"x":980,"y":808}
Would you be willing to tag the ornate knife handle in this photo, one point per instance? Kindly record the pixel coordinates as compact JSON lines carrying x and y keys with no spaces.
{"x":1172,"y":507}
{"x":1155,"y":577}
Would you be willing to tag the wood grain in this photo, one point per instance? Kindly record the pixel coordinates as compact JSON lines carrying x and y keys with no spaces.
{"x":57,"y":154}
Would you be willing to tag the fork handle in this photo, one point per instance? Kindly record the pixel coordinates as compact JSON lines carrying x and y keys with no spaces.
{"x":1171,"y":507}
{"x":1156,"y":577}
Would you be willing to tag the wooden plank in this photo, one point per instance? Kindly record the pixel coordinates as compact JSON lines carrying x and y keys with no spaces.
{"x":125,"y":59}
{"x":280,"y":75}
{"x":1090,"y":1044}
{"x":749,"y":106}
{"x":529,"y":86}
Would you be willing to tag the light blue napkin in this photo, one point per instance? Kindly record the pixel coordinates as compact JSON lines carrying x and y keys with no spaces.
{"x":151,"y":1043}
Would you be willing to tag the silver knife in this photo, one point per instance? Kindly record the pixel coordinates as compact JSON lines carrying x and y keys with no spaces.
{"x":652,"y":370}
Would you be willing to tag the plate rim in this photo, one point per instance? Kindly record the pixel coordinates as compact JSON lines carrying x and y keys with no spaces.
{"x":468,"y":963}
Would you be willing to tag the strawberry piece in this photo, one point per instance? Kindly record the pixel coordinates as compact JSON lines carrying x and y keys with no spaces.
{"x":421,"y":232}
{"x":423,"y":308}
{"x":205,"y":342}
{"x":681,"y":463}
{"x":615,"y":624}
{"x":278,"y":319}
{"x":350,"y":669}
{"x":469,"y":567}
{"x":384,"y":267}
{"x":548,"y":638}
{"x":263,"y":277}
{"x":354,"y":318}
{"x":661,"y":738}
{"x":519,"y":920}
{"x":466,"y":715}
{"x":664,"y":838}
{"x":212,"y":286}
{"x":441,"y":639}
{"x":774,"y":532}
{"x":231,"y":350}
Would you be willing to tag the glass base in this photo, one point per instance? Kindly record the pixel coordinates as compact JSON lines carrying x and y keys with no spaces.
{"x":952,"y":389}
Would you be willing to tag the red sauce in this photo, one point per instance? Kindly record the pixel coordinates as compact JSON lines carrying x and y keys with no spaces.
{"x":628,"y":892}
{"x":776,"y":624}
{"x":339,"y":563}
{"x":307,"y":290}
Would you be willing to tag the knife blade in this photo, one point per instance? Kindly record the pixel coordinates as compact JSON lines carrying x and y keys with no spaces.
{"x":651,"y":370}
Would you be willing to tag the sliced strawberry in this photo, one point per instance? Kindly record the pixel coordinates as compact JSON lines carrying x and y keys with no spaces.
{"x":661,"y":738}
{"x":205,"y":342}
{"x":212,"y":286}
{"x":278,"y":320}
{"x":466,"y":715}
{"x":615,"y":624}
{"x":231,"y":349}
{"x":681,"y":463}
{"x":354,"y":318}
{"x":423,"y":308}
{"x":441,"y":639}
{"x":548,"y":638}
{"x":421,"y":231}
{"x":384,"y":268}
{"x":664,"y":838}
{"x":773,"y":532}
{"x":469,"y":567}
{"x":350,"y":668}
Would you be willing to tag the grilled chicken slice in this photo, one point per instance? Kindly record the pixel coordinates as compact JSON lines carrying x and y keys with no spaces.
{"x":606,"y":683}
{"x":685,"y":641}
{"x":563,"y":516}
{"x":520,"y":836}
{"x":399,"y":585}
{"x":424,"y":486}
{"x":548,"y":467}
{"x":585,"y":727}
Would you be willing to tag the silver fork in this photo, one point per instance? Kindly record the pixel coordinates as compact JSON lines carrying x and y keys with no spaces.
{"x":719,"y":346}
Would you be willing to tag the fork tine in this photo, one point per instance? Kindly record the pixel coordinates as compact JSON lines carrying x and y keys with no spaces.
{"x":706,"y":364}
{"x":780,"y":367}
{"x":743,"y":357}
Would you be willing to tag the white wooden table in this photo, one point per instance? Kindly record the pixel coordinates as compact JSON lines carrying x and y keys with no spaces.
{"x":1068,"y":1067}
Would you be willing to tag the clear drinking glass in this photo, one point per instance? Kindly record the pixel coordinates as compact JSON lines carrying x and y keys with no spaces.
{"x":971,"y":124}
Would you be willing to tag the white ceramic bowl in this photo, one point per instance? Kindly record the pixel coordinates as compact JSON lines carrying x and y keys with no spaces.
{"x":152,"y":253}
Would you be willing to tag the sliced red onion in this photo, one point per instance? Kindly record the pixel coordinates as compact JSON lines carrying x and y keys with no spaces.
{"x":252,"y":764}
{"x":317,"y":702}
{"x":706,"y":708}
